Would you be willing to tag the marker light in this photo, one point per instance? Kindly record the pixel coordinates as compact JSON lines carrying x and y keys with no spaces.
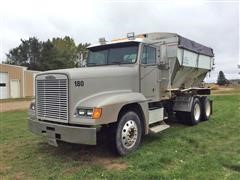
{"x":131,"y":36}
{"x":97,"y":112}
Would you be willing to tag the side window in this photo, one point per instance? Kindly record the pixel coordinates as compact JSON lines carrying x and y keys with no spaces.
{"x":148,"y":55}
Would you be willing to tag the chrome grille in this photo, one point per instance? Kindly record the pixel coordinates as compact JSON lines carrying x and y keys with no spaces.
{"x":52,"y":97}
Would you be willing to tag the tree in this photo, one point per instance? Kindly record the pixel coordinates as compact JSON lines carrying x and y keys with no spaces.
{"x":47,"y":56}
{"x":57,"y":53}
{"x":221,"y":79}
{"x":26,"y":54}
{"x":65,"y":52}
{"x":81,"y":54}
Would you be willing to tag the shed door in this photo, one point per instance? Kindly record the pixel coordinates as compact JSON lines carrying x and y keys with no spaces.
{"x":15,"y":89}
{"x":4,"y":85}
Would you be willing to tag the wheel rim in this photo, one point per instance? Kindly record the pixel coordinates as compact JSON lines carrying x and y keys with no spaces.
{"x":129,"y":134}
{"x":207,"y":109}
{"x":197,"y":112}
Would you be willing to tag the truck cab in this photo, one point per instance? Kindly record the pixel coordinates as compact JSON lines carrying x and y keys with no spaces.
{"x":130,"y":86}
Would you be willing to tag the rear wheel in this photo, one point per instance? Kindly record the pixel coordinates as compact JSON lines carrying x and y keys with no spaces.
{"x":181,"y":116}
{"x":206,"y":109}
{"x":194,"y":116}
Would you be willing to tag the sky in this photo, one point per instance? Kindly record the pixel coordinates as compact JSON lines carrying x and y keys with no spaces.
{"x":212,"y":23}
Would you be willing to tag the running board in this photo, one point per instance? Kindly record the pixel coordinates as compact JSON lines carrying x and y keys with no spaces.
{"x":158,"y":128}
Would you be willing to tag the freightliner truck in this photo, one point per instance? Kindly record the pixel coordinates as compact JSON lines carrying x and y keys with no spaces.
{"x":129,"y":87}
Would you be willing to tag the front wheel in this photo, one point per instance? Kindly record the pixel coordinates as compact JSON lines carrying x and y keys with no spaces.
{"x":128,"y":133}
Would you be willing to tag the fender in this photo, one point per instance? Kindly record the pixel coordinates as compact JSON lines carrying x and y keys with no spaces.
{"x":111,"y":103}
{"x":183,"y":103}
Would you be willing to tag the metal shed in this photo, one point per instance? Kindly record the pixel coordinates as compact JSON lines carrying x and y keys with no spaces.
{"x":16,"y":81}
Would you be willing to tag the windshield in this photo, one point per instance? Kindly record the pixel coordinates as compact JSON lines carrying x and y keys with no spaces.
{"x":123,"y":53}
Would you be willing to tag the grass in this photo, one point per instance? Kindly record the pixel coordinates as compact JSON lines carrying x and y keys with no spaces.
{"x":226,"y":91}
{"x":210,"y":150}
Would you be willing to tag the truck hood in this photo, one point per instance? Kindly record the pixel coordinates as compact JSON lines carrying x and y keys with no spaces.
{"x":97,"y":80}
{"x":95,"y":72}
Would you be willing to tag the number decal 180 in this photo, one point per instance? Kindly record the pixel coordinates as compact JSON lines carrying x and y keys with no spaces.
{"x":79,"y":83}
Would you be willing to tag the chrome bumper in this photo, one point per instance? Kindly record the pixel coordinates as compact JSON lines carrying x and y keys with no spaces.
{"x":72,"y":134}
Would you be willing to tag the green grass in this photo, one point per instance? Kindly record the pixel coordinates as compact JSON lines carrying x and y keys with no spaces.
{"x":210,"y":150}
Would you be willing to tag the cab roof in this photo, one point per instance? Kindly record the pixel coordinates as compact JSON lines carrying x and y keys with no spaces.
{"x":125,"y":40}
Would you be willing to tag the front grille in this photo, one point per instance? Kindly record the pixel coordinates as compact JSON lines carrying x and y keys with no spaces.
{"x":52,"y":97}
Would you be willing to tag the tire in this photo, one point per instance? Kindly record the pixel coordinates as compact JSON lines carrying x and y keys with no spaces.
{"x":206,"y":109}
{"x":181,"y":117}
{"x":128,"y":133}
{"x":193,"y":117}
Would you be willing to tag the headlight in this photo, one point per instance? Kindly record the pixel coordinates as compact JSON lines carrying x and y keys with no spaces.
{"x":84,"y":112}
{"x":94,"y":113}
{"x":89,"y":112}
{"x":32,"y":106}
{"x":81,"y":112}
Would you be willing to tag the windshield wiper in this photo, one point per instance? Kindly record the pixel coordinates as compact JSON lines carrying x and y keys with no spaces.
{"x":93,"y":64}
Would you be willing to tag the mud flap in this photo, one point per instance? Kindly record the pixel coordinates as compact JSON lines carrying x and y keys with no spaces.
{"x":52,"y":142}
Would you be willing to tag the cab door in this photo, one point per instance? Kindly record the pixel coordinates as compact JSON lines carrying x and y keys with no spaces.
{"x":148,"y":72}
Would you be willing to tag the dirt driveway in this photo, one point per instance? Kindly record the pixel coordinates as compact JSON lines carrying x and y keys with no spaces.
{"x":14,"y":105}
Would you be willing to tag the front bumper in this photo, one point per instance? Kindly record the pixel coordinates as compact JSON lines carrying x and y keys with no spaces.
{"x":66,"y":133}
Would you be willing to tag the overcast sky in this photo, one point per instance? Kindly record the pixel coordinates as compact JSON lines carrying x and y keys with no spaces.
{"x":212,"y":23}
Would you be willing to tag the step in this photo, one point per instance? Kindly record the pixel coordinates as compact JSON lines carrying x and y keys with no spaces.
{"x":158,"y":128}
{"x":156,"y":115}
